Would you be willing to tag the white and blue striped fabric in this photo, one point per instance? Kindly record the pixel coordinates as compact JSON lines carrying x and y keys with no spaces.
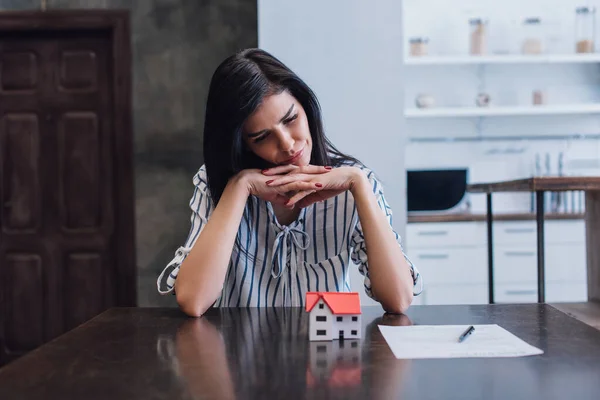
{"x":281,"y":263}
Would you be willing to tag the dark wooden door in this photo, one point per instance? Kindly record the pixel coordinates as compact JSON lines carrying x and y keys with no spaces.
{"x":58,"y":239}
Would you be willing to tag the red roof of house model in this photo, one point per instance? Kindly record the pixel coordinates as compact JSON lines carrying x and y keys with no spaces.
{"x":339,"y":303}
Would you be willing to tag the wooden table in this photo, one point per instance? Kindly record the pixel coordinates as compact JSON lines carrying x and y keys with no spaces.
{"x":137,"y":353}
{"x":591,"y":186}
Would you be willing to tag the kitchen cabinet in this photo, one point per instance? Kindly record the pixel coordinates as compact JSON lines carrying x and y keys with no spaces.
{"x":452,"y":258}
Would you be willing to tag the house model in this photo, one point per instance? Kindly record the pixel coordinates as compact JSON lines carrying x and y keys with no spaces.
{"x":333,"y":315}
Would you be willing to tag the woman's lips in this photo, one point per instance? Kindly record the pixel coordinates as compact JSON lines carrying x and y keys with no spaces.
{"x":295,"y":158}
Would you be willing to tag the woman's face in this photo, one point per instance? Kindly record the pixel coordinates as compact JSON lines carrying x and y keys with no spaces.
{"x":278,"y":131}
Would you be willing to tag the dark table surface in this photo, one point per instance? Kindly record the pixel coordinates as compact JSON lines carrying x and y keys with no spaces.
{"x":143,"y":353}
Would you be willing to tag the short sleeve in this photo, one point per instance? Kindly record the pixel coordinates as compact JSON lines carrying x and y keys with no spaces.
{"x":359,"y":252}
{"x":202,"y":207}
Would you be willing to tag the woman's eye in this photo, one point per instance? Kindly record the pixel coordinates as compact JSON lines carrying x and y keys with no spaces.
{"x":260,"y":138}
{"x":286,"y":122}
{"x":290,"y":119}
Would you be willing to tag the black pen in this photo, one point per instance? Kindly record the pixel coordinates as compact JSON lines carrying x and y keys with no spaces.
{"x":466,"y":334}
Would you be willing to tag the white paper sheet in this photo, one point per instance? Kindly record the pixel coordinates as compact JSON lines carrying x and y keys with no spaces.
{"x":441,"y":341}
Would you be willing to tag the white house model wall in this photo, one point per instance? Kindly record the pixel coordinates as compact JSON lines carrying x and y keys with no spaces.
{"x":331,"y":324}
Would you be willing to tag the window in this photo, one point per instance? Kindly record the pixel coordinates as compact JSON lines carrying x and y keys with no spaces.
{"x":339,"y":319}
{"x":354,"y":319}
{"x":321,"y":349}
{"x":321,"y":363}
{"x":354,"y":333}
{"x":321,"y":306}
{"x":321,"y":318}
{"x":321,"y":332}
{"x":354,"y":344}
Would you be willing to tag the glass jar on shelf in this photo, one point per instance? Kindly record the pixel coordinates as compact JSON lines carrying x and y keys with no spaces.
{"x":418,"y":46}
{"x":585,"y":29}
{"x":538,"y":97}
{"x":478,"y":36}
{"x":532,"y":36}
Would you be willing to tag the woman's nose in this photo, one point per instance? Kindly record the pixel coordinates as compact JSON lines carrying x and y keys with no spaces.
{"x":286,"y":141}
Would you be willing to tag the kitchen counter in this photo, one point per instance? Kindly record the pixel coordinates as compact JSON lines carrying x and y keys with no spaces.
{"x":536,"y":184}
{"x":472,"y":217}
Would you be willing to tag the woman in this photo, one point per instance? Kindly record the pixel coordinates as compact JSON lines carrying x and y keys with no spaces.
{"x":277,"y":210}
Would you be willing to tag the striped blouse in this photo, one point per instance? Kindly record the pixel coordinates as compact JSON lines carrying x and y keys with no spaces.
{"x":283,"y":262}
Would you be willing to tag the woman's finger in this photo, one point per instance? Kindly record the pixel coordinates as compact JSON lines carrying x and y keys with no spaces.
{"x":313,"y":169}
{"x":299,"y":196}
{"x":299,"y":186}
{"x":282,"y":169}
{"x":307,"y":169}
{"x":285,"y":179}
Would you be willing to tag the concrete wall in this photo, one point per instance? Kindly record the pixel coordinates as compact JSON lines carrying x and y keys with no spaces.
{"x":176,"y":45}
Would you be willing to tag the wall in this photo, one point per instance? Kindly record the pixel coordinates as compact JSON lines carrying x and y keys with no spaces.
{"x":350,"y":54}
{"x":176,"y":45}
{"x":501,"y":148}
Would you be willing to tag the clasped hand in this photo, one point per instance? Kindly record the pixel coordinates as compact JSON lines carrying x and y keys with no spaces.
{"x":291,"y":185}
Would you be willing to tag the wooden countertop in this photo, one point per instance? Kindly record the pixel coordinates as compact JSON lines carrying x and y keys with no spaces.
{"x":469,"y":217}
{"x":550,"y":183}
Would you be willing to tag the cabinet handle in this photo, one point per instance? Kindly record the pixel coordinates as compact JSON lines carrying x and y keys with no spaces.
{"x":432,"y":233}
{"x":519,"y":230}
{"x":518,"y":292}
{"x":433,"y":256}
{"x":519,"y":253}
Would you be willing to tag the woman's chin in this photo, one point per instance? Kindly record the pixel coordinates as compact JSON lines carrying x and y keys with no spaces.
{"x":303,"y":162}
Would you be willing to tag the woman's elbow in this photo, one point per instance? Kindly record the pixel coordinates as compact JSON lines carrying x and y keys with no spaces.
{"x":191,"y":306}
{"x":400,"y":304}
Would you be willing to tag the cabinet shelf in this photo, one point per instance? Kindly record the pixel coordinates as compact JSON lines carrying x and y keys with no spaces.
{"x":449,"y":112}
{"x":505,"y":59}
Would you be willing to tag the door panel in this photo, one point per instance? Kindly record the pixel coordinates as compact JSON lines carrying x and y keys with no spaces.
{"x":57,"y":249}
{"x":24,"y":290}
{"x":20,"y":142}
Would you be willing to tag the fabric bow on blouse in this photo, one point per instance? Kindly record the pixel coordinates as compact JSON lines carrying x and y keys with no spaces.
{"x":285,"y":255}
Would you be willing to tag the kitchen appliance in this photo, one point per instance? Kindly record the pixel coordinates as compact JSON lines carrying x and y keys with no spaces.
{"x":436,"y":190}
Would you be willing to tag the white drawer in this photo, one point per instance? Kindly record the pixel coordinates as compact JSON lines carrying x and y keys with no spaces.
{"x":445,"y":234}
{"x":564,"y":231}
{"x":527,"y":293}
{"x":451,"y":266}
{"x":514,"y":233}
{"x":563,"y":263}
{"x":525,"y":232}
{"x":514,"y":264}
{"x":456,"y":294}
{"x":566,"y":293}
{"x":566,"y":263}
{"x":516,"y":293}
